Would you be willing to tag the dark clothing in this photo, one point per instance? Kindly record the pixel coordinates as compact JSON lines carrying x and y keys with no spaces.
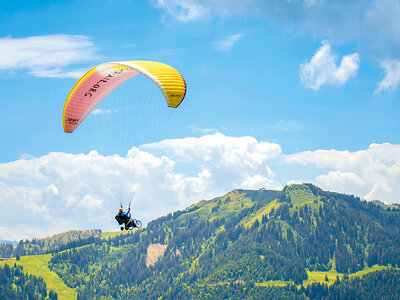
{"x":123,"y":217}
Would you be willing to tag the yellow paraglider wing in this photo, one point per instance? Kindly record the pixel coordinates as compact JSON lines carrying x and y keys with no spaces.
{"x":98,"y":82}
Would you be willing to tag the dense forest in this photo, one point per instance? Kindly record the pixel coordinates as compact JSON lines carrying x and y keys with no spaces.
{"x":6,"y":250}
{"x":14,"y":284}
{"x":375,"y":285}
{"x":233,"y":245}
{"x":245,"y":237}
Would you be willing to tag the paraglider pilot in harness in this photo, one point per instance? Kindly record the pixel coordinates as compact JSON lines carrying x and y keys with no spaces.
{"x":123,"y":217}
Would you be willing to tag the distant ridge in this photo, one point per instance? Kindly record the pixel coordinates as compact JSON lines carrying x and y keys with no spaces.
{"x":14,"y":243}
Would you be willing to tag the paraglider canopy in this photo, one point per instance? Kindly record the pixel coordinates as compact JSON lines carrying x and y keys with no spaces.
{"x":98,"y":82}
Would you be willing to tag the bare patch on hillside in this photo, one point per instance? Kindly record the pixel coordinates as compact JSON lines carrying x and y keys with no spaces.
{"x":154,"y":251}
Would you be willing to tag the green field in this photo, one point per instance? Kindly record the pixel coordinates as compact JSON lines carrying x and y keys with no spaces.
{"x":260,"y":213}
{"x":319,"y":276}
{"x":368,"y":270}
{"x":38,"y":265}
{"x":274,"y":283}
{"x":111,"y":234}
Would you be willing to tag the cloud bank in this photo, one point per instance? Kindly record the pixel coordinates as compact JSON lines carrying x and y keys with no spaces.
{"x":62,"y":191}
{"x":372,"y":174}
{"x":47,"y":55}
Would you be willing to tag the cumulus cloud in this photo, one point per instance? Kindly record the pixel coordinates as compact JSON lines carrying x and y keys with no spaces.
{"x":62,"y":191}
{"x":322,"y":68}
{"x":47,"y":55}
{"x":227,"y":43}
{"x":218,"y":158}
{"x":392,"y":75}
{"x":373,"y":173}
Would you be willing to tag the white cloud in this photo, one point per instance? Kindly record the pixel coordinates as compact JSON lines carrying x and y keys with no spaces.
{"x":259,"y":181}
{"x":309,"y":3}
{"x":373,"y":25}
{"x":47,"y":55}
{"x":341,"y":181}
{"x":100,"y":111}
{"x":203,"y":130}
{"x":373,"y":173}
{"x":193,"y":10}
{"x":58,"y":73}
{"x":184,"y":10}
{"x":85,"y":190}
{"x":224,"y":162}
{"x":392,"y":75}
{"x":322,"y":68}
{"x":60,"y":191}
{"x":227,"y":43}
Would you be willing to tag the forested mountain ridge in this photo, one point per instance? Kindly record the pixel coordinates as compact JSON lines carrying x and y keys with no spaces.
{"x":242,"y":245}
{"x":55,"y":243}
{"x":244,"y":237}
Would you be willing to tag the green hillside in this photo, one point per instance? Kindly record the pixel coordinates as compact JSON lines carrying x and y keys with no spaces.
{"x":38,"y":265}
{"x":301,"y":242}
{"x":56,"y":243}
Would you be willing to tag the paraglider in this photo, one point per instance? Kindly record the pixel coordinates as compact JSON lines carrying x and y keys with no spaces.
{"x":101,"y":80}
{"x":98,"y":82}
{"x":125,"y":218}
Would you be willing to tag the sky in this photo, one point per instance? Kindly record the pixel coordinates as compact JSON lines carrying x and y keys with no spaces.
{"x":278,"y":92}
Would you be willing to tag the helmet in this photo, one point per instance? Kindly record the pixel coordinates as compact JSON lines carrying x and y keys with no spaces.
{"x":121,"y":210}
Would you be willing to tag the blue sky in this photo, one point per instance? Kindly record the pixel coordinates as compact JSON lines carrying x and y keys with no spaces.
{"x":278,"y":92}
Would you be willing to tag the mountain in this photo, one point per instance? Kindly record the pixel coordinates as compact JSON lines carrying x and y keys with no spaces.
{"x":13,"y":243}
{"x":55,"y":243}
{"x":298,"y":243}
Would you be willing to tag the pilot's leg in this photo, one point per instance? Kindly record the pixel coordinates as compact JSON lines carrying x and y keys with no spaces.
{"x":127,"y":224}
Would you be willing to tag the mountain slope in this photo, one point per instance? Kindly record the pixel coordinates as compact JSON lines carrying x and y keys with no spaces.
{"x":245,"y":243}
{"x":254,"y":237}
